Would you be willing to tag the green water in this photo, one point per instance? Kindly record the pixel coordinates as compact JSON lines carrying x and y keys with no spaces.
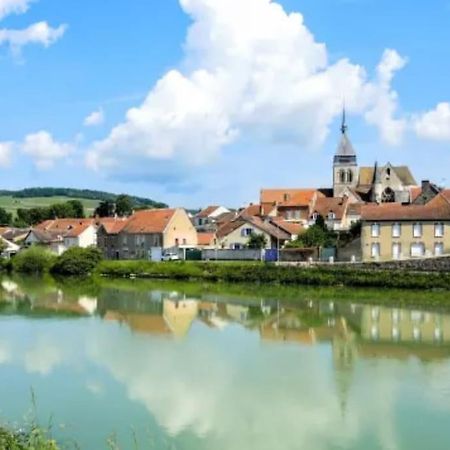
{"x":191,"y":366}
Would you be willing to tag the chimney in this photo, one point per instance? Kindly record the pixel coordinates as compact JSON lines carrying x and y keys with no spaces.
{"x":425,"y":184}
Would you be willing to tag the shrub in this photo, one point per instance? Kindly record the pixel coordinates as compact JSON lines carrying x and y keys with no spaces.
{"x":77,"y":261}
{"x":33,"y":439}
{"x":34,"y":260}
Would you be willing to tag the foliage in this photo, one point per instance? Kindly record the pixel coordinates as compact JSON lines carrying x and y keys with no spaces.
{"x":339,"y":275}
{"x":78,"y":193}
{"x":5,"y":217}
{"x":33,"y":260}
{"x":77,"y":261}
{"x":2,"y":246}
{"x":33,"y":439}
{"x":33,"y":216}
{"x":314,"y":236}
{"x":124,"y":205}
{"x":257,"y":241}
{"x":106,"y":208}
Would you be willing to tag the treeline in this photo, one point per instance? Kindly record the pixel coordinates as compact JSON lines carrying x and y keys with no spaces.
{"x":29,"y":217}
{"x":79,"y":193}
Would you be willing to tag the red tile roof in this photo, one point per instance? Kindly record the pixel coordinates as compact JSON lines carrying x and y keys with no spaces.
{"x":289,"y":197}
{"x":149,"y":221}
{"x":294,"y":229}
{"x":113,"y":225}
{"x":65,"y":227}
{"x":205,"y":238}
{"x":436,"y":209}
{"x":335,"y":205}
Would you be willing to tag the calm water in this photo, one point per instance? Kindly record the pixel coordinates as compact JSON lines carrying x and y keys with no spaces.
{"x":186,"y":366}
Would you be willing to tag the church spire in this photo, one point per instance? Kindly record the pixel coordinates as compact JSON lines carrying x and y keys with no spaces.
{"x":344,"y":121}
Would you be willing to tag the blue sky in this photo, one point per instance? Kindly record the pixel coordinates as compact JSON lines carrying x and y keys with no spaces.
{"x":111,"y":55}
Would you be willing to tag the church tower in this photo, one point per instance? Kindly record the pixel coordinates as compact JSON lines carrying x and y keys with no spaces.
{"x":345,"y":166}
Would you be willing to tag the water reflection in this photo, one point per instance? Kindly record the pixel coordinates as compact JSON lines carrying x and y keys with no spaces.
{"x":229,"y":372}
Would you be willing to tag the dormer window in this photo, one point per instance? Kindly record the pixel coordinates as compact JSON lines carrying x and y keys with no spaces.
{"x":331,"y":215}
{"x":286,"y":197}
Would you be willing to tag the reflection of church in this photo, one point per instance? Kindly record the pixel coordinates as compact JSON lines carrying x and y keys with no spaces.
{"x":370,"y":184}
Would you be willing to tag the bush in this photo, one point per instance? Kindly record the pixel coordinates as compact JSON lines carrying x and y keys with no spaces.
{"x":34,"y":260}
{"x":77,"y":261}
{"x":33,"y":439}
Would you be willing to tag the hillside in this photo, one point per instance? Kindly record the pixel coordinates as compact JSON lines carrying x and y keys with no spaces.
{"x":42,"y":197}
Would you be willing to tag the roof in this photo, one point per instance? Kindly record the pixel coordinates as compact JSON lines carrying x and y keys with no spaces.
{"x":205,"y":238}
{"x":257,"y":222}
{"x":415,"y":192}
{"x":366,"y":175}
{"x":289,"y":197}
{"x":345,"y":147}
{"x":46,"y":237}
{"x":149,"y":221}
{"x":294,"y":229}
{"x":252,"y":210}
{"x":354,"y":209}
{"x":336,"y":205}
{"x":436,"y":209}
{"x":113,"y":226}
{"x":64,"y":227}
{"x":206,"y":212}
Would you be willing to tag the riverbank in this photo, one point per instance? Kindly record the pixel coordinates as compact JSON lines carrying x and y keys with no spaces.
{"x":269,"y":273}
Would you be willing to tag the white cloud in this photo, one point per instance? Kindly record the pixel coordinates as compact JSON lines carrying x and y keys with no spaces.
{"x":38,"y":33}
{"x":44,"y":357}
{"x":95,"y":118}
{"x":8,"y":7}
{"x":434,"y":124}
{"x":250,"y":68}
{"x":5,"y":153}
{"x":44,"y":150}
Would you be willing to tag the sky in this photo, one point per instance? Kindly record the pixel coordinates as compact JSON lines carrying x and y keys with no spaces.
{"x":196,"y":102}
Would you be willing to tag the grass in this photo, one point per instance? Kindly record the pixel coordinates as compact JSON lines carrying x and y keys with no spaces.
{"x":271,"y":274}
{"x":11,"y":204}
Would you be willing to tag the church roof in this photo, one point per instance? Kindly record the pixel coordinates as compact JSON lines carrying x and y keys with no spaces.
{"x":366,"y":175}
{"x":345,"y":147}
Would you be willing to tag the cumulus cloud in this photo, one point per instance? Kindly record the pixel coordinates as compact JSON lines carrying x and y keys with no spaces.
{"x":38,"y":33}
{"x":44,"y":150}
{"x":5,"y":153}
{"x":434,"y":124}
{"x":250,"y":68}
{"x":95,"y":118}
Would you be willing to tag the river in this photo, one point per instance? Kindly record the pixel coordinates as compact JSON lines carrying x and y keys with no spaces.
{"x":166,"y":365}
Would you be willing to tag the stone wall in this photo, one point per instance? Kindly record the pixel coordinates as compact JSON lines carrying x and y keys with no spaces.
{"x":437,"y":264}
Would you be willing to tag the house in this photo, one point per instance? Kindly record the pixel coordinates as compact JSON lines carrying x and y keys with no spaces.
{"x":236,"y":234}
{"x":9,"y":248}
{"x":206,"y":219}
{"x":334,"y":212}
{"x":292,"y":204}
{"x":108,"y":237}
{"x":61,"y":234}
{"x":146,"y":230}
{"x":13,"y":234}
{"x":206,"y":240}
{"x":395,"y":231}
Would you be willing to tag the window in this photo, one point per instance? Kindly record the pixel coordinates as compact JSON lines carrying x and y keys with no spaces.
{"x":396,"y":250}
{"x":438,"y":230}
{"x":417,"y":250}
{"x":342,"y":176}
{"x":388,"y":196}
{"x":439,"y":248}
{"x":296,"y":215}
{"x":247,"y":232}
{"x":375,"y":230}
{"x":286,"y":197}
{"x":417,"y":230}
{"x":349,"y":176}
{"x":331,"y":215}
{"x":396,"y":230}
{"x":315,"y":216}
{"x":375,"y":250}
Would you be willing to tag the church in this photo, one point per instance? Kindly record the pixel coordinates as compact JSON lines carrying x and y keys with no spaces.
{"x":377,"y":184}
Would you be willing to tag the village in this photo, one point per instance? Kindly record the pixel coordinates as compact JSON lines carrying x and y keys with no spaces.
{"x":371,"y":213}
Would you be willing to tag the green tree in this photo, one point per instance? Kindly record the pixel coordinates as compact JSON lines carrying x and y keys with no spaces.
{"x":77,"y":209}
{"x":257,"y":241}
{"x":105,"y":209}
{"x":5,"y":217}
{"x":77,"y":261}
{"x":124,"y":205}
{"x":315,"y":236}
{"x":33,"y":260}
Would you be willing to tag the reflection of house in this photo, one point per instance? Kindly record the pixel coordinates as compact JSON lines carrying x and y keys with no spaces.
{"x":9,"y":248}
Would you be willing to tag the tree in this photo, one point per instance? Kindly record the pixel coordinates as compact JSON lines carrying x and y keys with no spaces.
{"x":77,"y":208}
{"x":124,"y":205}
{"x":77,"y":261}
{"x":33,"y":260}
{"x":257,"y":241}
{"x":105,"y":209}
{"x":5,"y":217}
{"x":315,"y":236}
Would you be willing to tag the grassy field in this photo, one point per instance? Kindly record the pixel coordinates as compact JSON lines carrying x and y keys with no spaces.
{"x":11,"y":204}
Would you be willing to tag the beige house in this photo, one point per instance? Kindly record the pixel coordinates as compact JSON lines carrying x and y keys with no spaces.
{"x":393,"y":231}
{"x":147,"y":230}
{"x":236,"y":234}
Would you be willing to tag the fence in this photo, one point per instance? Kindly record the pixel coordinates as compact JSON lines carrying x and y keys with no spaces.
{"x":233,"y":255}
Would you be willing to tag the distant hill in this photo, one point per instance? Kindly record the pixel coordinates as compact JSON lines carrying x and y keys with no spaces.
{"x":43,"y":196}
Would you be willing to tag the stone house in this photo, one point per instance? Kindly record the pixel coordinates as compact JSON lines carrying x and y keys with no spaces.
{"x":394,"y":231}
{"x":146,"y":230}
